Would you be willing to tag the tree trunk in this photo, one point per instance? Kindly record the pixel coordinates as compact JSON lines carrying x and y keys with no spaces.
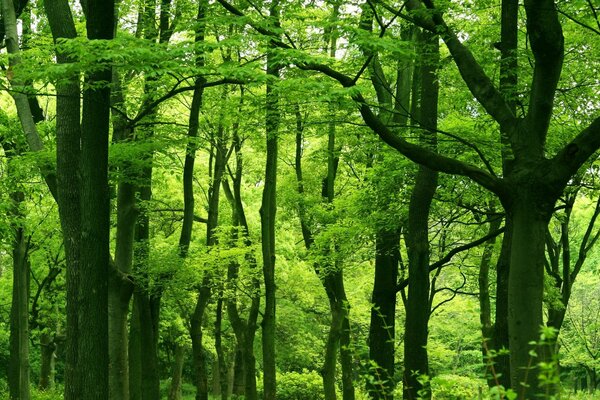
{"x":198,"y":352}
{"x":383,"y":315}
{"x":485,"y":309}
{"x":95,"y":216}
{"x":18,"y":371}
{"x":525,"y":292}
{"x":244,"y":331}
{"x":346,"y":360}
{"x":268,"y":211}
{"x":239,"y":373}
{"x":68,"y":135}
{"x":47,"y":361}
{"x":418,"y":305}
{"x":500,"y":329}
{"x":220,"y":376}
{"x":176,"y":373}
{"x":135,"y":352}
{"x":119,"y":293}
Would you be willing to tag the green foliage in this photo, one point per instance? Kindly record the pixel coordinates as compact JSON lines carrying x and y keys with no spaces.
{"x":305,"y":385}
{"x":456,"y":387}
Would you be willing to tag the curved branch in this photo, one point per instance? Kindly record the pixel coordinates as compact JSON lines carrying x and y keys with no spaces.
{"x":572,"y":156}
{"x":477,"y":81}
{"x":444,"y":260}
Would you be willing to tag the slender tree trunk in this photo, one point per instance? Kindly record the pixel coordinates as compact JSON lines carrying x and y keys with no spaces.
{"x":119,"y":293}
{"x":176,"y":373}
{"x":244,"y":331}
{"x":268,"y":211}
{"x":147,"y":299}
{"x":68,"y":136}
{"x":500,"y":328}
{"x":18,"y":368}
{"x":199,"y":359}
{"x":220,"y":376}
{"x":383,"y":315}
{"x":346,"y":359}
{"x":95,"y":216}
{"x":48,"y":355}
{"x":416,"y":361}
{"x":485,"y":309}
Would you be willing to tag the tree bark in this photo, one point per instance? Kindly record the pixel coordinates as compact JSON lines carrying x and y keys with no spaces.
{"x":95,"y":216}
{"x":68,"y":135}
{"x":416,"y":361}
{"x":244,"y":330}
{"x":268,"y":211}
{"x":18,"y":368}
{"x":525,"y":292}
{"x":176,"y":373}
{"x":485,"y":308}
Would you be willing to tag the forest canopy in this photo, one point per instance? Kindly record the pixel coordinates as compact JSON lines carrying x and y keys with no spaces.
{"x":299,"y":199}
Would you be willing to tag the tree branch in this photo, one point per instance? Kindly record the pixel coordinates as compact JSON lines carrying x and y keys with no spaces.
{"x":572,"y":156}
{"x":547,"y":44}
{"x":471,"y":71}
{"x":444,"y":260}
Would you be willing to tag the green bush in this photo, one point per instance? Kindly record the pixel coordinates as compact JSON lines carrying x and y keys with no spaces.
{"x":455,"y":387}
{"x":50,"y":394}
{"x":305,"y":385}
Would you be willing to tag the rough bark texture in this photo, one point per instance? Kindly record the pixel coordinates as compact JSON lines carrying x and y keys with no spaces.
{"x":95,"y":216}
{"x":68,"y":135}
{"x":525,"y":293}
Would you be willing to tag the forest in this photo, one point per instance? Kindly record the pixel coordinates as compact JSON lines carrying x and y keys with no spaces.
{"x":299,"y":199}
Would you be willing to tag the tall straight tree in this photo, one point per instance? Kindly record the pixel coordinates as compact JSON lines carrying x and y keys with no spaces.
{"x":18,"y":368}
{"x":268,"y":210}
{"x":199,"y":359}
{"x":95,"y":213}
{"x":416,"y":329}
{"x":68,"y":136}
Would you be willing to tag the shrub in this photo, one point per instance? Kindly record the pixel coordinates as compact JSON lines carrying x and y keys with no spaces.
{"x":455,"y":387}
{"x":305,"y":385}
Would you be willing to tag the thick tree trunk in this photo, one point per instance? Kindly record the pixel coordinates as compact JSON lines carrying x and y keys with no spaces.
{"x":525,"y":293}
{"x":135,"y":352}
{"x":95,"y":216}
{"x":239,"y":373}
{"x":500,"y":330}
